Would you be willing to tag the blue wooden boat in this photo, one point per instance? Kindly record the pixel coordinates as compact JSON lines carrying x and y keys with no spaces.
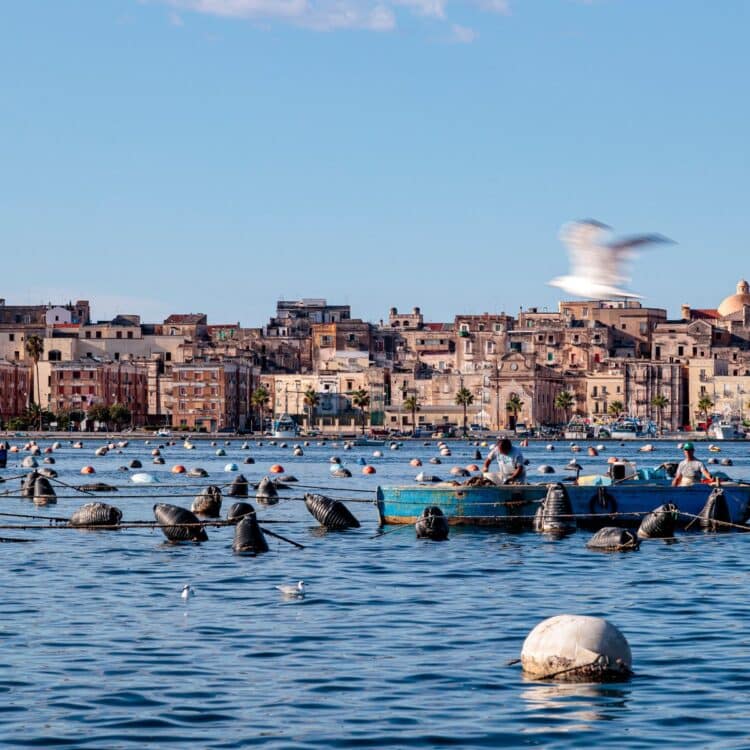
{"x":514,"y":506}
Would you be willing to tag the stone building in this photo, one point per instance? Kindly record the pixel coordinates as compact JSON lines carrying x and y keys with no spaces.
{"x":78,"y":385}
{"x":212,"y":396}
{"x":15,"y":385}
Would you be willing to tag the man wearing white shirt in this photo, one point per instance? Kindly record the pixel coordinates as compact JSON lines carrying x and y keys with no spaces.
{"x":510,"y":464}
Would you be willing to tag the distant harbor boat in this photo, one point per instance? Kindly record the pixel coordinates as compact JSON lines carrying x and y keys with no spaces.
{"x":285,"y":427}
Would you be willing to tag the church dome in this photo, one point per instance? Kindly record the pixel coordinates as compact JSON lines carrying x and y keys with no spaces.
{"x":735,"y":302}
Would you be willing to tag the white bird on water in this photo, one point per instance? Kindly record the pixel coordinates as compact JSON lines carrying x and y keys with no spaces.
{"x":187,"y":591}
{"x":297,"y":590}
{"x":596,"y":262}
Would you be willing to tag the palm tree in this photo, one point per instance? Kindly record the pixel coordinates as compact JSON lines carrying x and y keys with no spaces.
{"x":705,"y":404}
{"x":660,"y":403}
{"x":514,"y":405}
{"x":361,"y":399}
{"x":564,"y":400}
{"x":464,"y":398}
{"x":311,"y":400}
{"x":259,"y":400}
{"x":616,"y":408}
{"x":34,"y":347}
{"x":412,"y":405}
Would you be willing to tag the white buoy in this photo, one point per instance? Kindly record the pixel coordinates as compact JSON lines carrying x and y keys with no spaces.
{"x":646,"y":448}
{"x":143,"y":478}
{"x":377,"y":454}
{"x":576,"y":648}
{"x":231,"y":467}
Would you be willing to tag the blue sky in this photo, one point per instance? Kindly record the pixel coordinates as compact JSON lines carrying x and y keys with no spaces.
{"x":216,"y":155}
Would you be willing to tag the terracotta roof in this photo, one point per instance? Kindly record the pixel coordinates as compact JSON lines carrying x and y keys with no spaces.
{"x":186,"y":320}
{"x":705,"y":314}
{"x":436,"y":326}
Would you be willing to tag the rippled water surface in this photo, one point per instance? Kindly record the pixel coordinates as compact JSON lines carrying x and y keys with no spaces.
{"x":398,"y":643}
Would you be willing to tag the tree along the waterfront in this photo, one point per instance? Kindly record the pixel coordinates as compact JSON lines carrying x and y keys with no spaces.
{"x":361,"y":399}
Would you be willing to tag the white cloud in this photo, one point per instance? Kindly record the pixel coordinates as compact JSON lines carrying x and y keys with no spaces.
{"x":330,"y":15}
{"x":463,"y":34}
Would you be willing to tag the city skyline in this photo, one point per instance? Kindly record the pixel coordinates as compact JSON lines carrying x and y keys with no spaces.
{"x":157,"y":158}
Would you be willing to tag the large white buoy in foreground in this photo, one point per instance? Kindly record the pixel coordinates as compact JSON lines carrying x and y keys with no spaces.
{"x":576,"y":648}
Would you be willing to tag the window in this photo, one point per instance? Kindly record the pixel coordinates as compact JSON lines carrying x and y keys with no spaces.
{"x":11,"y":337}
{"x":87,"y":334}
{"x":498,"y":327}
{"x":595,"y":391}
{"x":643,"y":328}
{"x":550,"y":356}
{"x":98,"y":334}
{"x":695,"y":351}
{"x":680,"y":351}
{"x":130,"y":334}
{"x":117,"y":356}
{"x":657,"y":352}
{"x":118,"y":335}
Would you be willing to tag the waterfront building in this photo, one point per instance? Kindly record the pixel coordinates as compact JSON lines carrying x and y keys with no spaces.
{"x":15,"y":385}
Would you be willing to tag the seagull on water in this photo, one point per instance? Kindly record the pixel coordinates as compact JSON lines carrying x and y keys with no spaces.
{"x":297,"y":590}
{"x":597,"y":262}
{"x":187,"y":591}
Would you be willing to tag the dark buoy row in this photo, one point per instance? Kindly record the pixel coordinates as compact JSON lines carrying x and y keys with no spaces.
{"x":614,"y":539}
{"x":96,"y":514}
{"x":332,"y":514}
{"x":555,"y":514}
{"x":208,"y":503}
{"x":248,"y":537}
{"x":432,"y":524}
{"x":171,"y":516}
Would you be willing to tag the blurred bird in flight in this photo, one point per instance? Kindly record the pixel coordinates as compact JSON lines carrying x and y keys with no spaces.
{"x":597,"y":262}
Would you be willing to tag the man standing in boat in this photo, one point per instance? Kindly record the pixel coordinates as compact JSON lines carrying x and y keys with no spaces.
{"x":510,"y":463}
{"x":690,"y":470}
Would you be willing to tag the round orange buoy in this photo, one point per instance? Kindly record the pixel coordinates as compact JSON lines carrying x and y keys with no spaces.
{"x":178,"y":469}
{"x":415,"y":462}
{"x":472,"y":467}
{"x":277,"y":469}
{"x":88,"y":470}
{"x":368,"y":469}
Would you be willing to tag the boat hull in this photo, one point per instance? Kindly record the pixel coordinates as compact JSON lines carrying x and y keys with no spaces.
{"x":514,"y":506}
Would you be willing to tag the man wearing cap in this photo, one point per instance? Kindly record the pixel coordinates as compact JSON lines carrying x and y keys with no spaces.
{"x":690,"y":470}
{"x":510,"y":464}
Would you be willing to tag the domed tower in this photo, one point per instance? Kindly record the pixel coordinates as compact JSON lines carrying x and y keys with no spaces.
{"x":735,"y":302}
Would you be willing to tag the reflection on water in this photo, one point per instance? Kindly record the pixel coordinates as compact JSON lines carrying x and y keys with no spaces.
{"x":579,"y":705}
{"x":397,"y":643}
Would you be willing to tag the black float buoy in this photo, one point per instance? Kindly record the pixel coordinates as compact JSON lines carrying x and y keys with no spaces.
{"x":267,"y":492}
{"x":208,"y":503}
{"x":555,"y":514}
{"x":715,"y":513}
{"x":136,"y":464}
{"x":96,"y":514}
{"x":27,"y":485}
{"x":248,"y":537}
{"x":238,"y":510}
{"x":477,"y":455}
{"x":172,"y":516}
{"x":44,"y":494}
{"x":614,"y":539}
{"x":659,"y":523}
{"x":239,"y":487}
{"x":332,"y":514}
{"x":432,"y":524}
